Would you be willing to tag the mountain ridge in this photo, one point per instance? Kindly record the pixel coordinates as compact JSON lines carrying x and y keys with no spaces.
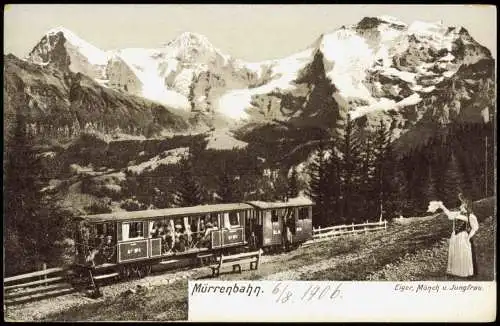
{"x":379,"y":67}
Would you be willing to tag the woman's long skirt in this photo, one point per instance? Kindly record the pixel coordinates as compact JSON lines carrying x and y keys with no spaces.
{"x":460,"y":262}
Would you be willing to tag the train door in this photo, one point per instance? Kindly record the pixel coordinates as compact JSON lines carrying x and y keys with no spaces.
{"x":134,"y":242}
{"x":259,"y":230}
{"x":272,"y":227}
{"x":214,"y":225}
{"x":155,"y":238}
{"x":232,"y":233}
{"x":304,"y":224}
{"x":289,"y":224}
{"x":251,"y":228}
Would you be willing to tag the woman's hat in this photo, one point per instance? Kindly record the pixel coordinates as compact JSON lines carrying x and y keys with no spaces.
{"x":209,"y":224}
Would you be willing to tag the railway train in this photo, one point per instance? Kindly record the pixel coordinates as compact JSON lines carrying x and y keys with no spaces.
{"x":128,"y":244}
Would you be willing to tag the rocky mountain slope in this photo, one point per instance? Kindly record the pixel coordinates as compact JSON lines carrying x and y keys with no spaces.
{"x":61,"y":104}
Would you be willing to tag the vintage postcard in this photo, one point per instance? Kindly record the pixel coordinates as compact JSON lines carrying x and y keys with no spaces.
{"x":249,"y":163}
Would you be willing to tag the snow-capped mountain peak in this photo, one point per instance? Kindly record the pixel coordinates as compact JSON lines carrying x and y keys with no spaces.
{"x":190,"y":39}
{"x":391,"y":20}
{"x":193,"y":47}
{"x":63,"y":49}
{"x":91,"y":52}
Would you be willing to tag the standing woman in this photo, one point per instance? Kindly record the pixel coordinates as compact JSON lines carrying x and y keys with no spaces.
{"x":461,"y":260}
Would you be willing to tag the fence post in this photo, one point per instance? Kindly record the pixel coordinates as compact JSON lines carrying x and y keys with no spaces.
{"x":352,"y":225}
{"x":385,"y":224}
{"x":366,"y":227}
{"x":44,"y":268}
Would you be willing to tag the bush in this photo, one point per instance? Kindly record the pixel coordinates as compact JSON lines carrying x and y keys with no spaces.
{"x":98,"y":207}
{"x":66,"y":252}
{"x":133,"y":205}
{"x":101,"y":188}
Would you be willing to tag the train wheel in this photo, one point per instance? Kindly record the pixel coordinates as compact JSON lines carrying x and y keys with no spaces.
{"x":136,"y":271}
{"x":145,"y":270}
{"x":124,"y":273}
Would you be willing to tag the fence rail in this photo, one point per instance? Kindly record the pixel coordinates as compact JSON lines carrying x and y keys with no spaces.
{"x":323,"y":234}
{"x":36,"y":285}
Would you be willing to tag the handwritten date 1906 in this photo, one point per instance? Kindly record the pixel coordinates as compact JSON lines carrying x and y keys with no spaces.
{"x":313,"y":292}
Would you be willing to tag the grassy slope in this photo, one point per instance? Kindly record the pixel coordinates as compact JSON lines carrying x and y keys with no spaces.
{"x":415,"y":251}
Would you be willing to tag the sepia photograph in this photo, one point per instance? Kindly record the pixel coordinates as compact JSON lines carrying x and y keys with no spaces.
{"x":151,"y":150}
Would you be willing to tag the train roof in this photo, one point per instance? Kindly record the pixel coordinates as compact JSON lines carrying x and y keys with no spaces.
{"x":293,"y":202}
{"x":166,"y":212}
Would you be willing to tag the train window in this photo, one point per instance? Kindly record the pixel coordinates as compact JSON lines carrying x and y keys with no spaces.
{"x":303,"y":213}
{"x":135,"y":229}
{"x":274,"y":216}
{"x":101,"y":228}
{"x":234,"y":219}
{"x":214,"y":220}
{"x":259,"y":218}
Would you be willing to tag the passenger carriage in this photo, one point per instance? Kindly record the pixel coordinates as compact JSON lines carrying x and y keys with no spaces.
{"x":130,"y":243}
{"x":137,"y":240}
{"x":271,"y":220}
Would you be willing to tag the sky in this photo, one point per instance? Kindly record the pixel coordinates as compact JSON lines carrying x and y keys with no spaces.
{"x":248,"y":32}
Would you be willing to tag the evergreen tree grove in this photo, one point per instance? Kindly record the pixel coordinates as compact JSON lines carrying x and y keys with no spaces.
{"x":21,"y":200}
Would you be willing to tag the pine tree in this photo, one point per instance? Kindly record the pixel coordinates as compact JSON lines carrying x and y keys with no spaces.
{"x":350,"y":173}
{"x":370,"y":173}
{"x":22,"y":201}
{"x":430,"y":190}
{"x":386,"y":184}
{"x":317,"y":186}
{"x":228,"y":188}
{"x":398,"y":201}
{"x":452,"y":183}
{"x":332,"y":191}
{"x":293,"y":189}
{"x":281,"y":186}
{"x":189,"y":192}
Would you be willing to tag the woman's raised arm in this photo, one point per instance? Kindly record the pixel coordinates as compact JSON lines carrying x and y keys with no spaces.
{"x":451,"y":215}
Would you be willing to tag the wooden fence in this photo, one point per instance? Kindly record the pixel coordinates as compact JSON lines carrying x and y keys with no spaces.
{"x":323,"y":234}
{"x":36,"y":285}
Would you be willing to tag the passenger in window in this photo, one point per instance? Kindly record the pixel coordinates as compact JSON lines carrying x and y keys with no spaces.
{"x":206,"y":237}
{"x":108,"y":249}
{"x":201,"y":232}
{"x":182,"y":242}
{"x":288,"y":237}
{"x":155,"y":230}
{"x":170,"y":235}
{"x":139,"y":230}
{"x":187,"y":234}
{"x":179,"y":234}
{"x":194,"y":231}
{"x":233,"y":220}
